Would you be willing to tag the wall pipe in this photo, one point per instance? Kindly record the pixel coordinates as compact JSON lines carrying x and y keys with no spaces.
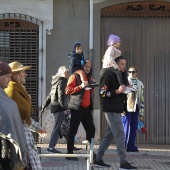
{"x":91,"y":31}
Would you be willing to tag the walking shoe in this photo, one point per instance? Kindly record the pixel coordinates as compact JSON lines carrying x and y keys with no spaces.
{"x":94,"y":84}
{"x":87,"y":88}
{"x":76,"y":149}
{"x":100,"y":164}
{"x":127,"y":165}
{"x":53,"y":150}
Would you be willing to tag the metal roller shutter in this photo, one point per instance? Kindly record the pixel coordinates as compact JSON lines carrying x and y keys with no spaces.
{"x":19,"y":41}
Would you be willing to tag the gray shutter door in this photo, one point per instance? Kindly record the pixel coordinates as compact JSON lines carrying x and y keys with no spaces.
{"x":145,"y":43}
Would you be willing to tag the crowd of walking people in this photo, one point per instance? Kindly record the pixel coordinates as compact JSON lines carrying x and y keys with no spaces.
{"x":71,"y":98}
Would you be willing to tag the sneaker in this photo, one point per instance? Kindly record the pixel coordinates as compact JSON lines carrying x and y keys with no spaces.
{"x":100,"y":164}
{"x":76,"y":149}
{"x":72,"y":158}
{"x":94,"y":84}
{"x":87,"y":88}
{"x":53,"y":150}
{"x":127,"y":165}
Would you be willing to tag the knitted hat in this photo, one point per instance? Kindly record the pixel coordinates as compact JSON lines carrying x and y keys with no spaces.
{"x":113,"y":39}
{"x":4,"y":69}
{"x":76,"y":43}
{"x":17,"y":66}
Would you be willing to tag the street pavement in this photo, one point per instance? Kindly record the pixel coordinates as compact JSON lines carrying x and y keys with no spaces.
{"x":155,"y":157}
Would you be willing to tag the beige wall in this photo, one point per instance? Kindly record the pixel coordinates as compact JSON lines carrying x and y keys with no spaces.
{"x":71,"y":24}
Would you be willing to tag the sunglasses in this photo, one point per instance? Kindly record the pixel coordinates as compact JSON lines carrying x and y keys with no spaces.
{"x":132,"y":72}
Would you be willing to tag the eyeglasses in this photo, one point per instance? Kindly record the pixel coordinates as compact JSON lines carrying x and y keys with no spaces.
{"x":132,"y":72}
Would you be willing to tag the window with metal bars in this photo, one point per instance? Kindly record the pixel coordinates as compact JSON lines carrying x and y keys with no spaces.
{"x":19,"y":41}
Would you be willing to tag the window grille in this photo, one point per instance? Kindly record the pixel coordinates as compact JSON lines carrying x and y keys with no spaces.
{"x":19,"y":41}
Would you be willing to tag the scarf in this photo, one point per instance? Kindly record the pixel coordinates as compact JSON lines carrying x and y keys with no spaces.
{"x":18,"y":93}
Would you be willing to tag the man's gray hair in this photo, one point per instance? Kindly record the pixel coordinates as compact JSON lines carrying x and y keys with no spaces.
{"x":62,"y":70}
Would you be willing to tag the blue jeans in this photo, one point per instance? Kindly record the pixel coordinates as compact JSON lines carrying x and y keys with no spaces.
{"x":114,"y":130}
{"x":58,"y":116}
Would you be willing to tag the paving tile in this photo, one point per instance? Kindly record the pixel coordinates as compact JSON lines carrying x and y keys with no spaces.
{"x":149,"y":157}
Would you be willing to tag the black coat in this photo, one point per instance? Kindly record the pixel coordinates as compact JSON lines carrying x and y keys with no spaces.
{"x":116,"y":102}
{"x":57,"y":96}
{"x":75,"y":62}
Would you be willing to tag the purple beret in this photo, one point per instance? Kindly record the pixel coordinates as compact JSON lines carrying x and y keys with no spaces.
{"x":5,"y":69}
{"x":113,"y":39}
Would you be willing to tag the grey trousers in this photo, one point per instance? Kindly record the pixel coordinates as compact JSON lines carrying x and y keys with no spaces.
{"x":114,"y":130}
{"x":58,"y":118}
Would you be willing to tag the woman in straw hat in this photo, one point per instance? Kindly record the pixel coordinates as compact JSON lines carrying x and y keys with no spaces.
{"x":18,"y":93}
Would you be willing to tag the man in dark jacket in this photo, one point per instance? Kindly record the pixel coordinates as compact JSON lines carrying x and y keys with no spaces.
{"x":80,"y":104}
{"x":57,"y":98}
{"x":113,"y":103}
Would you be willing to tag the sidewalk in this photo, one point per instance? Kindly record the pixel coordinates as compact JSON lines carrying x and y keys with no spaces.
{"x":156,"y":157}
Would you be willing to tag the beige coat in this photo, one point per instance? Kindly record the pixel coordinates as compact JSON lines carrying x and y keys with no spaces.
{"x":134,"y":97}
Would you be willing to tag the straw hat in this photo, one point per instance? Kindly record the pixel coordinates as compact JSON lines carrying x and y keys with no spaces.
{"x":17,"y":66}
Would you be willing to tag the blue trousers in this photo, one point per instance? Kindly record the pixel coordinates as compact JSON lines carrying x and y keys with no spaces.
{"x":130,"y":127}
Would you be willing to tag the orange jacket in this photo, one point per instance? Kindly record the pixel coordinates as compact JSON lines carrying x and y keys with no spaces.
{"x":72,"y":88}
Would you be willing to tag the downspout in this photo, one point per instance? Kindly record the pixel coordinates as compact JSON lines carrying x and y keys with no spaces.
{"x":91,"y":32}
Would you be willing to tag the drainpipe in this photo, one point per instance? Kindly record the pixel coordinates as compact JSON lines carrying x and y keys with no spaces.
{"x":91,"y":31}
